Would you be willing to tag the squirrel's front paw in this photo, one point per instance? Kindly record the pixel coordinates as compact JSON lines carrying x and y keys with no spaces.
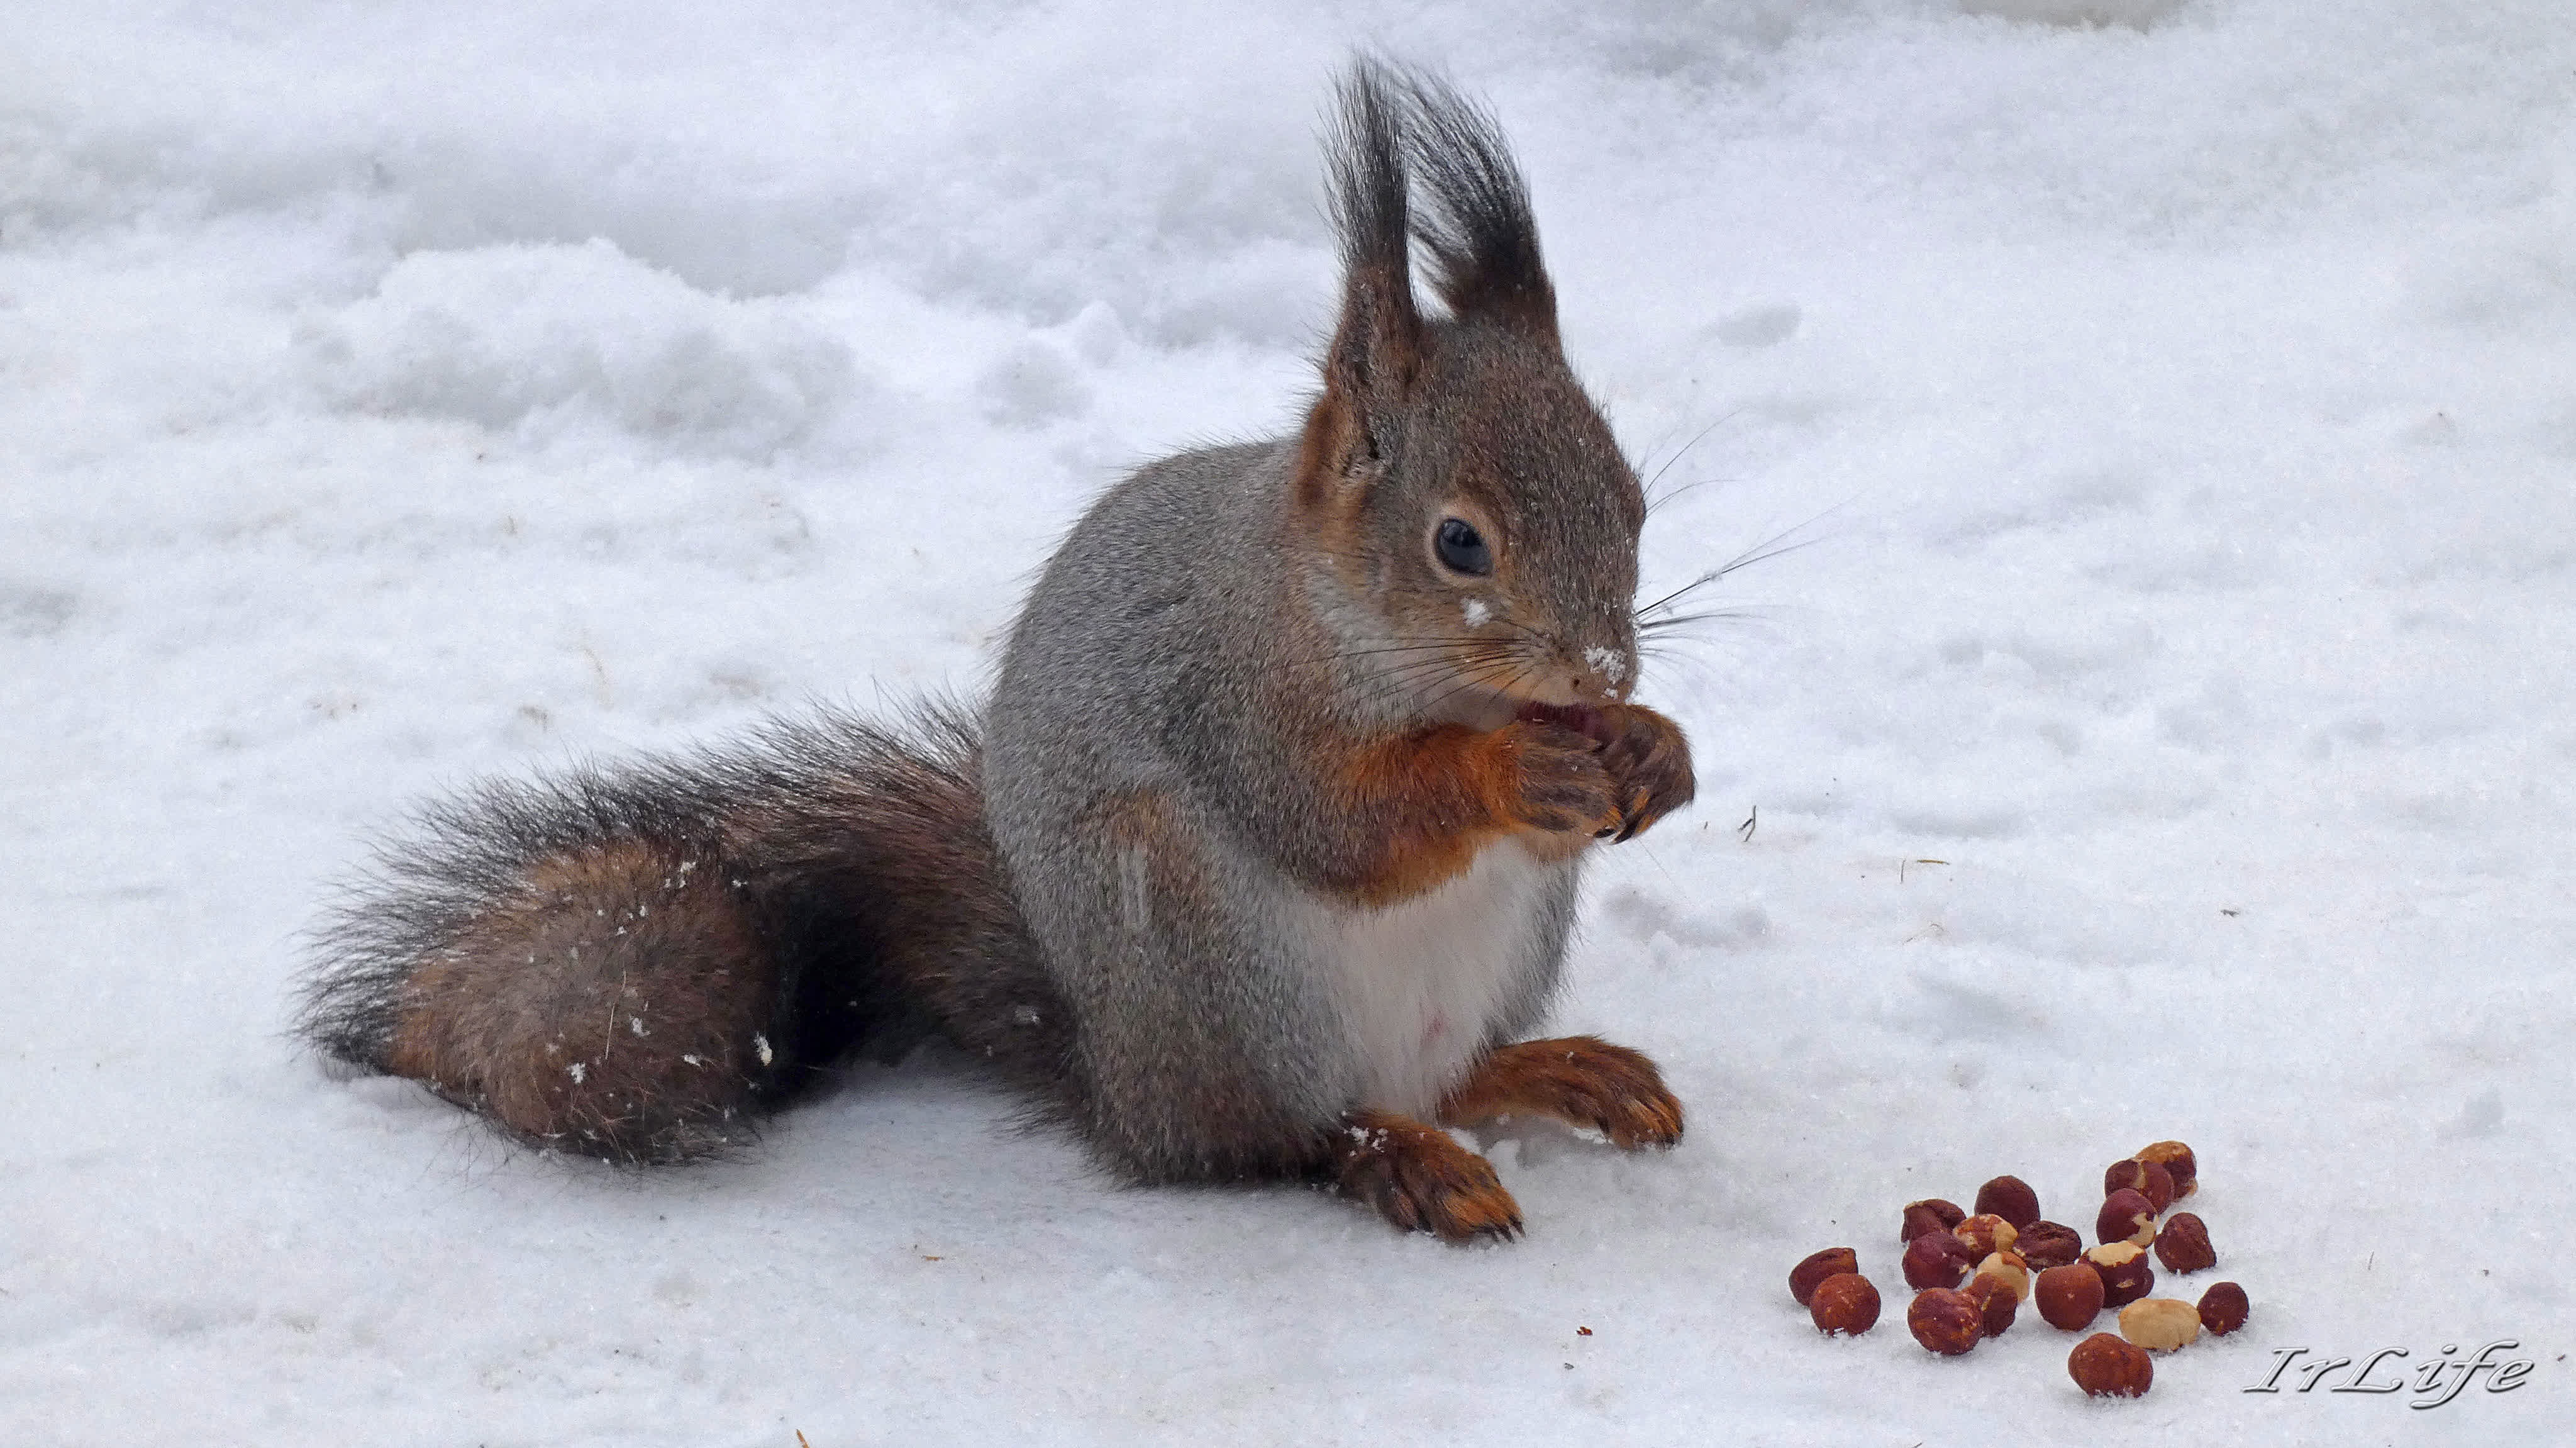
{"x":1649,"y":765}
{"x":1561,"y":778}
{"x":1421,"y":1180}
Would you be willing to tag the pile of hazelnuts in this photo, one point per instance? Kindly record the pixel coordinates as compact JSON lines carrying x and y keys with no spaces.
{"x":2005,"y":1254}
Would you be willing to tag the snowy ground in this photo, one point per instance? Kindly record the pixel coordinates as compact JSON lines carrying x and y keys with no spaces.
{"x":2184,"y":409}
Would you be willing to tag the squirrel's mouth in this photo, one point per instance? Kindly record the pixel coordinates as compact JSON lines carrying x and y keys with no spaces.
{"x":1566,"y":693}
{"x":1581,"y":718}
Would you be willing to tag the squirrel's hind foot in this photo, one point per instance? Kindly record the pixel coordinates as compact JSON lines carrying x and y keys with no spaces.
{"x":1579,"y":1080}
{"x":1421,"y":1180}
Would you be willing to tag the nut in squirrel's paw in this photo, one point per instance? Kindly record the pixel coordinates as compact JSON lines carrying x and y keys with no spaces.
{"x":1563,"y":784}
{"x":1649,"y":764}
{"x":1643,"y":759}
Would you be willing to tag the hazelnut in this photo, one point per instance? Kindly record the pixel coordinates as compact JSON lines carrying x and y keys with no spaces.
{"x":1929,"y":1215}
{"x":2010,"y":1198}
{"x":1936,"y":1259}
{"x":1844,"y":1303}
{"x":2125,"y":1272}
{"x":2105,"y":1367}
{"x":2182,"y":1243}
{"x":1804,"y":1277}
{"x":1996,"y":1304}
{"x":1984,"y":1234}
{"x":2069,"y":1297}
{"x":2160,"y":1324}
{"x":2159,"y":1187}
{"x":2178,"y":1163}
{"x":1947,"y":1322}
{"x":2008,"y":1268}
{"x":2126,"y":1217}
{"x":2146,"y":1178}
{"x":2223,"y":1308}
{"x":2048,"y":1244}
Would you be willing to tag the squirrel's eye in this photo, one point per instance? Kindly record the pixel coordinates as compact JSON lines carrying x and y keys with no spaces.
{"x":1461,"y":548}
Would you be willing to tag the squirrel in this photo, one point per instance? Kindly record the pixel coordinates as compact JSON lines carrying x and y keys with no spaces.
{"x":1259,"y":860}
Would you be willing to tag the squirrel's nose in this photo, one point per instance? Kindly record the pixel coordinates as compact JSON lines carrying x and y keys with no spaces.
{"x":1601,"y":676}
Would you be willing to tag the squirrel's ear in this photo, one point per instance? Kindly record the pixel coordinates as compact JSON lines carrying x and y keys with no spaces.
{"x":1477,"y":232}
{"x":1377,"y":346}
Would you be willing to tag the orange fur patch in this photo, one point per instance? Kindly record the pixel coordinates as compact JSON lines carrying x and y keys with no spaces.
{"x":1444,"y":794}
{"x":1330,"y":501}
{"x":1324,"y":448}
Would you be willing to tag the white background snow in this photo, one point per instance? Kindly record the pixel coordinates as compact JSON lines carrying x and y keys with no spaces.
{"x":2180,"y":396}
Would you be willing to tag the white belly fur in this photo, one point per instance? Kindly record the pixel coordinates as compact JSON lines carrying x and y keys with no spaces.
{"x":1422,"y":980}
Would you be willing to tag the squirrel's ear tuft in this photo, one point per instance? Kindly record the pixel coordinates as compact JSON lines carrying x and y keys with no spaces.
{"x":1395,"y":126}
{"x":1377,"y":345}
{"x":1477,"y":232}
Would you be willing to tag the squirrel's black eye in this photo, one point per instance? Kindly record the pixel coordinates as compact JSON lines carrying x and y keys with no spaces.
{"x":1461,"y":548}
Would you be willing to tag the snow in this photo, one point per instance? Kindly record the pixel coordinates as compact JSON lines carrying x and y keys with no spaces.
{"x":2163,"y":735}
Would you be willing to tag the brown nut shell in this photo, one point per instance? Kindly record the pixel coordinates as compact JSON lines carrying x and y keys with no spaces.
{"x":2178,"y":1163}
{"x":1946,"y":1322}
{"x":1936,"y":1259}
{"x":2010,"y":1198}
{"x":1844,"y":1303}
{"x":2223,"y":1308}
{"x":2182,"y":1243}
{"x":1996,"y":1303}
{"x":2159,"y":1185}
{"x":1929,"y":1215}
{"x":2127,"y":1216}
{"x":2160,"y":1324}
{"x":2049,"y":1244}
{"x":2148,"y":1179}
{"x":1985,"y":1234}
{"x":2128,"y":1173}
{"x":2068,"y":1297}
{"x":1819,"y":1266}
{"x":2126,"y":1274}
{"x":2104,"y":1366}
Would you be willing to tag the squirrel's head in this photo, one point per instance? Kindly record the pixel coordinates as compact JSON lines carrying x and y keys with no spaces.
{"x":1474,"y":525}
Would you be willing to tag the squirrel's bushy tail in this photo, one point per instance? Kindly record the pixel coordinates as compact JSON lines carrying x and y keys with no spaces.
{"x":628,"y":962}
